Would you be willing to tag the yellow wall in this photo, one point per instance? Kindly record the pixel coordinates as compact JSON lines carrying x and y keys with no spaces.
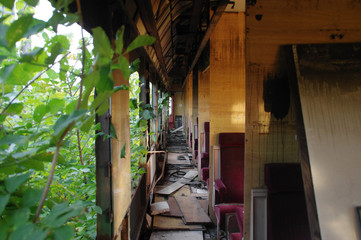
{"x":203,"y":106}
{"x":227,"y":78}
{"x":178,"y":104}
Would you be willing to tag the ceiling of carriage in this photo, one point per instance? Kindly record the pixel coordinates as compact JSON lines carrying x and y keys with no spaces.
{"x":181,"y":28}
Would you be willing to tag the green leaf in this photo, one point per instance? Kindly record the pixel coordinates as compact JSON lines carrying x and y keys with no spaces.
{"x":54,"y":52}
{"x":102,"y":47}
{"x":87,"y":125}
{"x":122,"y":153}
{"x":15,"y":108}
{"x":19,"y":216}
{"x":71,"y":106}
{"x":103,"y":108}
{"x":55,"y":105}
{"x":4,"y":199}
{"x":40,"y":112}
{"x":135,"y":66}
{"x":22,"y":73}
{"x":32,"y":2}
{"x":3,"y":229}
{"x":23,"y":232}
{"x":13,"y":182}
{"x":35,"y":27}
{"x":104,"y":81}
{"x":33,"y":164}
{"x":18,"y":29}
{"x":140,"y":41}
{"x":119,"y":41}
{"x":133,"y":103}
{"x":60,"y":39}
{"x":3,"y":29}
{"x":146,"y":114}
{"x":55,"y":20}
{"x":60,"y":214}
{"x":8,"y":3}
{"x":5,"y":72}
{"x":38,"y":234}
{"x":98,"y":209}
{"x":123,"y":64}
{"x":52,"y":74}
{"x":31,"y":197}
{"x":65,"y":121}
{"x":113,"y":133}
{"x":64,"y":233}
{"x":29,"y":56}
{"x":27,"y":153}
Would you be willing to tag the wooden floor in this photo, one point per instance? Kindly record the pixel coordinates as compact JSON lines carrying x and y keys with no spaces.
{"x":180,"y":203}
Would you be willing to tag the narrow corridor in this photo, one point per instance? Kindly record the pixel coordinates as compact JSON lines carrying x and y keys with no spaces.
{"x":180,"y":205}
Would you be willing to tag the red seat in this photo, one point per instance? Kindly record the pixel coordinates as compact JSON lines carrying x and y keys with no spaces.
{"x":236,"y":236}
{"x":205,"y":155}
{"x":230,"y":187}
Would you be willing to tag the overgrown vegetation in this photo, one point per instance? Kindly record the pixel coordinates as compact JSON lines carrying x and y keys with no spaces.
{"x":47,"y":111}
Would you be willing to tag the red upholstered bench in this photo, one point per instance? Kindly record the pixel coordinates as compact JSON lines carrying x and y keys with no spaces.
{"x":205,"y":155}
{"x":236,"y":236}
{"x":229,"y":189}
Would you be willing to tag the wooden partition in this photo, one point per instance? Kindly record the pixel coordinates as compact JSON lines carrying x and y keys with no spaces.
{"x":227,"y":81}
{"x":203,"y":111}
{"x":329,"y":80}
{"x":271,"y":24}
{"x":121,"y":178}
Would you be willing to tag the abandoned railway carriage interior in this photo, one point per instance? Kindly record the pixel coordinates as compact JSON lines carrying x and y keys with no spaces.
{"x":261,"y":138}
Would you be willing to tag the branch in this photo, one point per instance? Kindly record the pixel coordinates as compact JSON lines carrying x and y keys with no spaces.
{"x":48,"y":183}
{"x":81,"y":155}
{"x":52,"y":171}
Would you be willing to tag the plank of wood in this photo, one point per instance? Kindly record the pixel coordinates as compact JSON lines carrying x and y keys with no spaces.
{"x":183,"y":191}
{"x":174,"y":209}
{"x":191,"y":174}
{"x":193,"y":213}
{"x":159,"y":207}
{"x":176,"y":235}
{"x":178,"y":158}
{"x":204,"y":204}
{"x":172,"y":223}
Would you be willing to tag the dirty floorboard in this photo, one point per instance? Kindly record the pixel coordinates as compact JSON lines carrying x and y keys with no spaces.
{"x":186,"y":214}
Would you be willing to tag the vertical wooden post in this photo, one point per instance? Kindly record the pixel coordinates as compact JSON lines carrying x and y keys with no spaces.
{"x":121,"y":164}
{"x":156,"y":113}
{"x":103,"y":179}
{"x":195,"y":111}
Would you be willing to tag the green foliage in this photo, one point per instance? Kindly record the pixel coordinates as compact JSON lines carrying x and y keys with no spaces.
{"x":47,"y":121}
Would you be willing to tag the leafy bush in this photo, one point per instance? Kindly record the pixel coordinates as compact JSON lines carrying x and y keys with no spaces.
{"x":47,"y":110}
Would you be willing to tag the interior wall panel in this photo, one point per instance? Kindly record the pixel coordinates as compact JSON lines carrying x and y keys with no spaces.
{"x":227,"y":79}
{"x":269,"y":25}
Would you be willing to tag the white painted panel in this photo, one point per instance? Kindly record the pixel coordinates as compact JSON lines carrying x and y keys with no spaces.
{"x":331,"y":106}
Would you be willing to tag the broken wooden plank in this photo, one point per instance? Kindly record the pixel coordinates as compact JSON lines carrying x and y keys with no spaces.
{"x":159,"y":207}
{"x":183,"y":191}
{"x":178,"y":158}
{"x":176,"y":235}
{"x":204,"y":204}
{"x":180,"y":183}
{"x":174,"y":209}
{"x":193,"y":213}
{"x":172,"y":223}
